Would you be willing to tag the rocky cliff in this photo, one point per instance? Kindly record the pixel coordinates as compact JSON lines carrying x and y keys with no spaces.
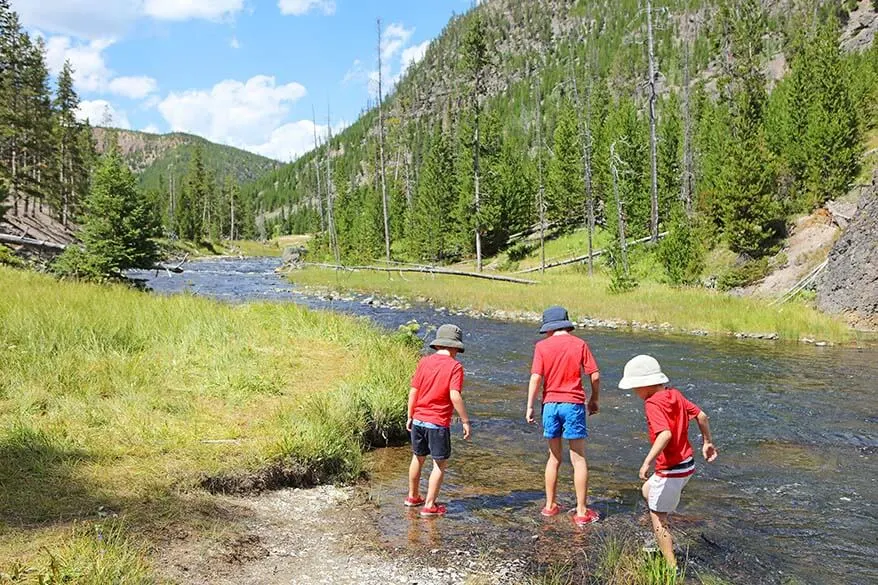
{"x":850,"y":283}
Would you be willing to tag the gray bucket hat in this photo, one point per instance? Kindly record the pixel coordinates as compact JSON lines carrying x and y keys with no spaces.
{"x":448,"y":336}
{"x":642,"y":371}
{"x":555,"y":318}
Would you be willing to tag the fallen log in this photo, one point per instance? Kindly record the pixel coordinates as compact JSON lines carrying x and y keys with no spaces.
{"x":443,"y":271}
{"x":583,"y":258}
{"x":22,"y":241}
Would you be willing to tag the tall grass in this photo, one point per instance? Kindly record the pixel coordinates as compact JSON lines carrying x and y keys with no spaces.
{"x":588,"y":297}
{"x":117,"y":402}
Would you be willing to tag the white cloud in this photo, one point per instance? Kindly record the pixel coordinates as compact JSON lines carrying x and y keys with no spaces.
{"x":234,"y":43}
{"x":102,"y":112}
{"x":394,"y":39}
{"x":294,"y":139}
{"x":90,"y":70}
{"x":191,"y":9}
{"x":89,"y":19}
{"x":135,"y":88}
{"x":413,"y":54}
{"x":300,"y":7}
{"x":152,"y":129}
{"x":233,"y":112}
{"x":96,"y":19}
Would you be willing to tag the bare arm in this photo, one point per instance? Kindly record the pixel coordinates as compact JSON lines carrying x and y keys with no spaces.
{"x":460,"y":408}
{"x":413,"y":392}
{"x":661,"y":441}
{"x":593,"y":407}
{"x":532,"y":389}
{"x":707,"y":449}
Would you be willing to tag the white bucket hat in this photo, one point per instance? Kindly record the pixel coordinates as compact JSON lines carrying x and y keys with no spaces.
{"x":641,"y":371}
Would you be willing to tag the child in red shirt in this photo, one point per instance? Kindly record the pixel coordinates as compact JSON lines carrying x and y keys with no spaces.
{"x":560,"y":361}
{"x":668,"y":413}
{"x":434,"y":395}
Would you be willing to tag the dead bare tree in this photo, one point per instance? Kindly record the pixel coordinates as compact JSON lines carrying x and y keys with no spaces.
{"x":541,"y":193}
{"x":585,"y":139}
{"x":317,"y":171}
{"x":381,"y":150}
{"x":615,"y":164}
{"x":654,"y":217}
{"x":330,"y":215}
{"x":687,"y":181}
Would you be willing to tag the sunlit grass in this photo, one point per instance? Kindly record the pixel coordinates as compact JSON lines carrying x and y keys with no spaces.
{"x":118,"y":402}
{"x":588,"y":297}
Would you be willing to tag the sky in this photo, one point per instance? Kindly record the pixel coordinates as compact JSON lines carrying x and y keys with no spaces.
{"x":247,"y":73}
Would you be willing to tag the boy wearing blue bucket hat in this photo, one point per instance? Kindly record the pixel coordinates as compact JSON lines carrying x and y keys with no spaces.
{"x":560,"y":361}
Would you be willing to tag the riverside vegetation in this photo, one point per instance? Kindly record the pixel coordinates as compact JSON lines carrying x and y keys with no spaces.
{"x":111,"y":400}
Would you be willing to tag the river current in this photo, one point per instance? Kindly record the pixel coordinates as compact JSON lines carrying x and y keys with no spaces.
{"x":793,"y":496}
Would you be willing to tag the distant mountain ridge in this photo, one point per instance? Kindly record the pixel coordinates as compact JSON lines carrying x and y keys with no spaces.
{"x":156,"y":158}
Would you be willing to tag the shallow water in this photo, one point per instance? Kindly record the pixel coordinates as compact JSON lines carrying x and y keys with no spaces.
{"x":794,"y":493}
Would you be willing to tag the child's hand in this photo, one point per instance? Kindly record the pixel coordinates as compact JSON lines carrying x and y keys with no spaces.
{"x":529,"y":416}
{"x":709,"y":451}
{"x":467,"y":431}
{"x":593,"y":407}
{"x":644,"y":471}
{"x":408,"y":424}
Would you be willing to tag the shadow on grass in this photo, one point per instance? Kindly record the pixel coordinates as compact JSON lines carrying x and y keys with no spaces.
{"x":39,"y":483}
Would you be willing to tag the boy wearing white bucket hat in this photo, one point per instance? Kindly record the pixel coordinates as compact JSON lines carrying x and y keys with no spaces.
{"x":668,"y":413}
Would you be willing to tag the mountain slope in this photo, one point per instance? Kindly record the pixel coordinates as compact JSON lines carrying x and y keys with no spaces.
{"x":555,"y":67}
{"x":156,"y":158}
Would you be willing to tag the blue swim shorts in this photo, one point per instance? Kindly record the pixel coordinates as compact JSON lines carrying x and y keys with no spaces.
{"x":564,"y":420}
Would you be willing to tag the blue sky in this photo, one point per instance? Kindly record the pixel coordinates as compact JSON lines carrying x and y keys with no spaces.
{"x":240,"y":72}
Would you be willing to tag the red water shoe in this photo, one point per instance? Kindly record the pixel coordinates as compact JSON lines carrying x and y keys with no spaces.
{"x":590,"y":518}
{"x":436,"y":510}
{"x":413,"y":502}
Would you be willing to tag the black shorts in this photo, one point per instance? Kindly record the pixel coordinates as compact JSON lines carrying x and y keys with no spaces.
{"x":433,"y":442}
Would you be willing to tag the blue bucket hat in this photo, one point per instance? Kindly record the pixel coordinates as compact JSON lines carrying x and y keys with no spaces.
{"x":555,"y":318}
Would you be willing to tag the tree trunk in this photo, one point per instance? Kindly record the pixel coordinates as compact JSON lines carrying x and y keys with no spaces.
{"x":330,"y":215}
{"x":476,"y":150}
{"x":654,"y":218}
{"x":381,"y":151}
{"x":614,"y":160}
{"x":686,"y":187}
{"x":317,"y":171}
{"x":541,"y":194}
{"x":585,"y":137}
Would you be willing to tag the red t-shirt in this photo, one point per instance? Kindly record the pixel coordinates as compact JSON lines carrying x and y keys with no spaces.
{"x":561,"y":360}
{"x":668,"y":410}
{"x":436,"y":376}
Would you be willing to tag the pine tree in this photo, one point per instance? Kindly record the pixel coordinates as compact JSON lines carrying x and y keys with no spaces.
{"x":670,"y":155}
{"x":565,"y":182}
{"x":119,"y":226}
{"x":67,"y":129}
{"x":430,"y":233}
{"x":475,"y":59}
{"x":190,"y":210}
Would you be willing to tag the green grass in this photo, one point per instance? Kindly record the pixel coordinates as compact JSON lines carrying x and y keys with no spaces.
{"x":176,"y":248}
{"x":111,"y":403}
{"x":588,"y":297}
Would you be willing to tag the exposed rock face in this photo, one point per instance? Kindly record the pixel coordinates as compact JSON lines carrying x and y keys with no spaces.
{"x":850,"y":283}
{"x":861,"y":28}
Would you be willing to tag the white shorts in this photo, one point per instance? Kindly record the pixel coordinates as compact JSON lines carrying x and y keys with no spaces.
{"x":664,"y":492}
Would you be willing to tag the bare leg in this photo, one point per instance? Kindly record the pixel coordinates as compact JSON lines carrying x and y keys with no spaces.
{"x":415,"y":476}
{"x":580,"y":475}
{"x":552,"y":466}
{"x":663,"y":536}
{"x":436,"y":478}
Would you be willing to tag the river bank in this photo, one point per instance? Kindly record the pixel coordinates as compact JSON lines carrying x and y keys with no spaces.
{"x":122,"y":414}
{"x":650,"y":307}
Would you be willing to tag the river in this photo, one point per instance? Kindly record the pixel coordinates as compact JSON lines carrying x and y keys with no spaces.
{"x":793,"y":496}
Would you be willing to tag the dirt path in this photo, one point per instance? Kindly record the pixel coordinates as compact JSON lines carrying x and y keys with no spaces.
{"x":324,"y":535}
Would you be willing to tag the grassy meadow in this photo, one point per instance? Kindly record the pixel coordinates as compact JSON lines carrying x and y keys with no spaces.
{"x":588,"y":297}
{"x":118,"y":408}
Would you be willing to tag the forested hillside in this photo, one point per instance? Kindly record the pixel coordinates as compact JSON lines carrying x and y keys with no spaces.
{"x":527,"y":110}
{"x":159,"y":159}
{"x":48,"y":159}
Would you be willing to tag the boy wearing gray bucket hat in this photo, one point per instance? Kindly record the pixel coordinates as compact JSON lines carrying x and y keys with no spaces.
{"x":560,"y":362}
{"x":434,"y":395}
{"x":668,"y":413}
